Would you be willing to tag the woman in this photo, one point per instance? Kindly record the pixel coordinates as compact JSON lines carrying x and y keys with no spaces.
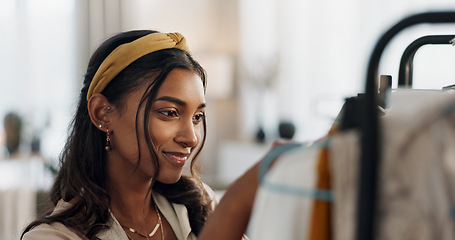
{"x":140,"y":118}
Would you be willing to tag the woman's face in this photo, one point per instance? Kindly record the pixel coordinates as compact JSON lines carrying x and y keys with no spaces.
{"x":175,"y":127}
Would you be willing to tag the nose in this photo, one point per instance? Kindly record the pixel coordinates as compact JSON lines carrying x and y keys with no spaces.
{"x":187,"y":134}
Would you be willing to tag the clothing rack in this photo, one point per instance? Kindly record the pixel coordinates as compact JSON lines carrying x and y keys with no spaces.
{"x":407,"y":59}
{"x":371,"y":138}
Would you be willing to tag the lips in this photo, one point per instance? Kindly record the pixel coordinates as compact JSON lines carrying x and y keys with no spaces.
{"x":177,"y":158}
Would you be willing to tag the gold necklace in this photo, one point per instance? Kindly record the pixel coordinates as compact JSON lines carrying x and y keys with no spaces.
{"x":158,"y":224}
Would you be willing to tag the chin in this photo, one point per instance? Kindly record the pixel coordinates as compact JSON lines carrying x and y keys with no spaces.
{"x":169,"y":179}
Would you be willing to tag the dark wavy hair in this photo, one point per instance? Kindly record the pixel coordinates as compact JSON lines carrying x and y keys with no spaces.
{"x":82,"y":174}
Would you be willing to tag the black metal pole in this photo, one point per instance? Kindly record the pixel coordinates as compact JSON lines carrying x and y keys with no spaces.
{"x":370,"y":147}
{"x":407,"y":59}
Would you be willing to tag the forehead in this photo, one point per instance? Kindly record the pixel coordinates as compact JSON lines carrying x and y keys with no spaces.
{"x":183,"y":84}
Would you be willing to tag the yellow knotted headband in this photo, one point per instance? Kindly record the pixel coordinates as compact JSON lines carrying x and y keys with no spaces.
{"x":127,"y":53}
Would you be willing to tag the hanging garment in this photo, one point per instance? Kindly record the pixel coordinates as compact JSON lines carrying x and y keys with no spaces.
{"x":416,"y":192}
{"x":344,"y":168}
{"x":284,"y":199}
{"x":320,"y":227}
{"x":417,"y":171}
{"x":321,"y":215}
{"x":416,"y":184}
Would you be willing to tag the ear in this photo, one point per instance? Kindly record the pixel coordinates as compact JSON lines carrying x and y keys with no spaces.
{"x":99,"y":108}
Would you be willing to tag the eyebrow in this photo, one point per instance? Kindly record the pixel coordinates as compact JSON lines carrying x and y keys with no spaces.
{"x":177,"y":101}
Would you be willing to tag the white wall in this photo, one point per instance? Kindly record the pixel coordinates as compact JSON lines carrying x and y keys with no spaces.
{"x":319,"y":50}
{"x":324,"y":47}
{"x":38,"y":78}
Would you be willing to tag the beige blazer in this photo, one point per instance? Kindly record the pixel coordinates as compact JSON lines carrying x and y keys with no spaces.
{"x":176,"y":215}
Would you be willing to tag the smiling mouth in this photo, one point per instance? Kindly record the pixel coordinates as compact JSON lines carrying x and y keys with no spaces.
{"x":177,"y":158}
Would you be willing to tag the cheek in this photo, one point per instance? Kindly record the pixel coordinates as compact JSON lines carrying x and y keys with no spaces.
{"x":199,"y":131}
{"x":162,"y":132}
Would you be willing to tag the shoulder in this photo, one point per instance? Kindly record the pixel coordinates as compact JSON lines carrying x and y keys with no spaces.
{"x":53,"y":231}
{"x":212,"y":198}
{"x":209,"y":191}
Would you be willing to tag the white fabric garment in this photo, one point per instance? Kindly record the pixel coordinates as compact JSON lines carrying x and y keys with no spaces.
{"x":344,"y":167}
{"x":285,"y":214}
{"x":176,"y":215}
{"x":416,"y":184}
{"x":283,"y":202}
{"x":417,"y":177}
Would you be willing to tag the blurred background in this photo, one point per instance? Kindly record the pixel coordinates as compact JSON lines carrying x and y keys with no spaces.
{"x":276,"y":69}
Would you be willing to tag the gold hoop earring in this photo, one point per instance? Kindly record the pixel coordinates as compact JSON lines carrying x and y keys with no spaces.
{"x":108,"y":147}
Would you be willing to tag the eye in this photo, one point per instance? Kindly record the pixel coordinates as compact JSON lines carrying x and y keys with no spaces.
{"x":169,"y":113}
{"x":199,"y":117}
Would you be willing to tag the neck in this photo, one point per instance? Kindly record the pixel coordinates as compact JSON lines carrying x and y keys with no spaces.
{"x":129,"y":200}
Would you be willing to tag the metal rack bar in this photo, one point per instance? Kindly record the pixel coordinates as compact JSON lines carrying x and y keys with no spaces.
{"x":370,"y":147}
{"x":407,"y":59}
